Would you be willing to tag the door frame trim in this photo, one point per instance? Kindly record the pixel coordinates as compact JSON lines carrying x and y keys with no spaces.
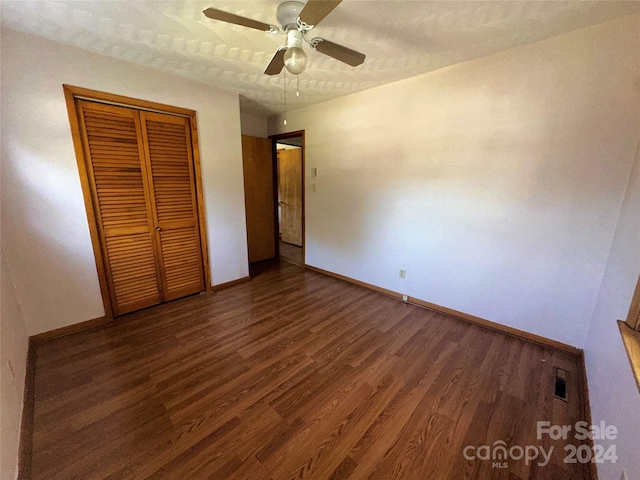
{"x":274,"y":140}
{"x":72,"y":94}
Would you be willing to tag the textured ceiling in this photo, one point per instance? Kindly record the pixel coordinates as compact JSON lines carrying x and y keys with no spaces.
{"x":400,"y":38}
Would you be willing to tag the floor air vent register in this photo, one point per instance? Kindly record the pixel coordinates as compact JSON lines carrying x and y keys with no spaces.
{"x":561,"y":382}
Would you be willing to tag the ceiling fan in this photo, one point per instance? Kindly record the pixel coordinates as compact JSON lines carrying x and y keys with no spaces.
{"x":296,"y":20}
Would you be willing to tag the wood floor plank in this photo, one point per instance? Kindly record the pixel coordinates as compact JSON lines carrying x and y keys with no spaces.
{"x":295,"y":375}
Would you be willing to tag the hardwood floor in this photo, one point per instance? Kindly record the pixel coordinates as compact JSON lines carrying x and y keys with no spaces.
{"x":294,"y":375}
{"x":291,"y":253}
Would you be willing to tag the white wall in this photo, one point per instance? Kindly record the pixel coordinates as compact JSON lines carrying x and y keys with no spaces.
{"x":43,"y":215}
{"x":254,"y":124}
{"x":496,"y":183}
{"x":13,"y":350}
{"x":614,"y":395}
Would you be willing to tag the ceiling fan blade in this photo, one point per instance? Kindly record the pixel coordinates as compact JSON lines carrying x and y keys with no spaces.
{"x":344,"y":54}
{"x":276,"y":64}
{"x":223,"y":16}
{"x":315,"y":10}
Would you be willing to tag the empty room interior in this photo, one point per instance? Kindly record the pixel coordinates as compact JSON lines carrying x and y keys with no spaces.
{"x":320,"y":239}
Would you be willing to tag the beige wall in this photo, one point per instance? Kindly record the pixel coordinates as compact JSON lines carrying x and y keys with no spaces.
{"x":43,"y":213}
{"x":614,"y":395}
{"x":254,"y":124}
{"x":13,"y":357}
{"x":495,"y":183}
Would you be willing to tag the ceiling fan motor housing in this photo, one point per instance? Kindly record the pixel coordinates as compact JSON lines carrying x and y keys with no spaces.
{"x":287,"y":15}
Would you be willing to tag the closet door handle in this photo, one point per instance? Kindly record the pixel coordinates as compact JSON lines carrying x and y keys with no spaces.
{"x":158,"y":228}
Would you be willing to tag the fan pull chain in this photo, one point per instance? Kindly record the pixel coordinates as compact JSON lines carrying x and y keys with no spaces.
{"x":285,"y":95}
{"x":297,"y":85}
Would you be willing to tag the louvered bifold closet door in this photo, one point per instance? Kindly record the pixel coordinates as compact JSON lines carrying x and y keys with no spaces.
{"x":168,"y":150}
{"x":112,"y":139}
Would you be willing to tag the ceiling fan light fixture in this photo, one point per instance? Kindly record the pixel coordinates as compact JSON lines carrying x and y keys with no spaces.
{"x":295,"y":60}
{"x":296,"y":19}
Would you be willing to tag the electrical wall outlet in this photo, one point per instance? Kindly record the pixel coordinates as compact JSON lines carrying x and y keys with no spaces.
{"x":403,"y":273}
{"x":314,"y":172}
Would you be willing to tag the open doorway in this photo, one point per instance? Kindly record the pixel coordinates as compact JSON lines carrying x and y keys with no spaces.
{"x":289,"y":162}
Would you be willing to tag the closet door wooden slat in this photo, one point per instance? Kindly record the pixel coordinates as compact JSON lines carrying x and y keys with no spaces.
{"x":112,"y":138}
{"x":168,"y":150}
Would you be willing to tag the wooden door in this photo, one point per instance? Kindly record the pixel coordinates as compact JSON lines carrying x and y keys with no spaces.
{"x":290,"y":195}
{"x":167,"y":145}
{"x":141,"y":175}
{"x":112,"y":139}
{"x":258,"y":195}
